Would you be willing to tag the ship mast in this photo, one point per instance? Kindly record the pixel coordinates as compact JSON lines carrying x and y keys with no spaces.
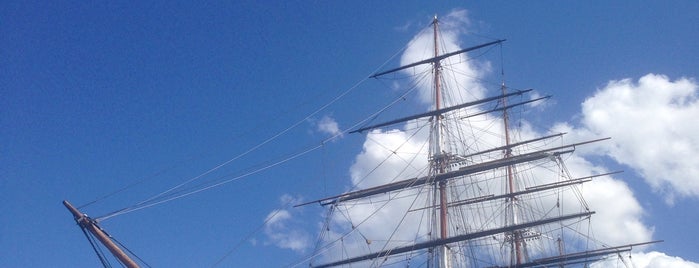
{"x":516,"y":256}
{"x":438,"y":155}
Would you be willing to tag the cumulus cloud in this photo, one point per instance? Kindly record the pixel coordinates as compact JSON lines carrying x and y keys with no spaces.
{"x":284,"y":231}
{"x":618,"y":218}
{"x":659,"y":260}
{"x":651,"y":259}
{"x":328,"y":125}
{"x":538,"y":104}
{"x":652,"y":124}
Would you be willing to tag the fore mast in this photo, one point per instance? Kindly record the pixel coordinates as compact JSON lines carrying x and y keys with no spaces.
{"x":440,"y":159}
{"x":438,"y":155}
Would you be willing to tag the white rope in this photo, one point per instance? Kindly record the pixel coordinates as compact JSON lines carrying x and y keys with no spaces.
{"x":146,"y":205}
{"x":305,"y":119}
{"x":149,"y":201}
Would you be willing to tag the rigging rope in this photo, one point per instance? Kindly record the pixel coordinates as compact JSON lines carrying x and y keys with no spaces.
{"x":143,"y":205}
{"x":395,"y":230}
{"x":128,"y":250}
{"x":154,"y":200}
{"x":345,"y":131}
{"x":96,"y":248}
{"x":341,"y":238}
{"x":147,"y":202}
{"x":156,"y":174}
{"x":249,"y":235}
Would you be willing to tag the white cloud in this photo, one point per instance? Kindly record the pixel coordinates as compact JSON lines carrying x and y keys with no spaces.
{"x":404,"y":27}
{"x":539,"y":104}
{"x":654,"y":129}
{"x":618,"y":214}
{"x":328,"y":125}
{"x":395,"y":149}
{"x":656,"y":259}
{"x":651,"y":259}
{"x":277,"y":217}
{"x":284,"y":231}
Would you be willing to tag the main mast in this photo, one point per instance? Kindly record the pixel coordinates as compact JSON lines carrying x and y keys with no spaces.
{"x":438,"y":155}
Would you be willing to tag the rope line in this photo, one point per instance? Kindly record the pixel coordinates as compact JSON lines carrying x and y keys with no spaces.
{"x":147,"y":202}
{"x":130,"y":252}
{"x":96,"y":248}
{"x":147,"y":205}
{"x":252,"y":233}
{"x":154,"y":175}
{"x":322,"y":144}
{"x":153,"y":200}
{"x":355,"y":228}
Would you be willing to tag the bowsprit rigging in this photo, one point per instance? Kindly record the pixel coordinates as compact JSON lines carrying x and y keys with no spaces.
{"x":90,"y":227}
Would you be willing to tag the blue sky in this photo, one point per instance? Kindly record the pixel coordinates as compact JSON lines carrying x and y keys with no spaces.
{"x":96,"y":97}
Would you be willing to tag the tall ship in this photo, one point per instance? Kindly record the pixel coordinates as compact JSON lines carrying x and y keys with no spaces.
{"x":471,"y":189}
{"x":463,"y":184}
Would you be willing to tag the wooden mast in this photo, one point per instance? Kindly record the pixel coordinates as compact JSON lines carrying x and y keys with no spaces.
{"x":86,"y":222}
{"x":438,"y":155}
{"x":517,"y":257}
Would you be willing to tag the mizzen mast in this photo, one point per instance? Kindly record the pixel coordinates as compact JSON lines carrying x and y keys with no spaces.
{"x":516,"y":241}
